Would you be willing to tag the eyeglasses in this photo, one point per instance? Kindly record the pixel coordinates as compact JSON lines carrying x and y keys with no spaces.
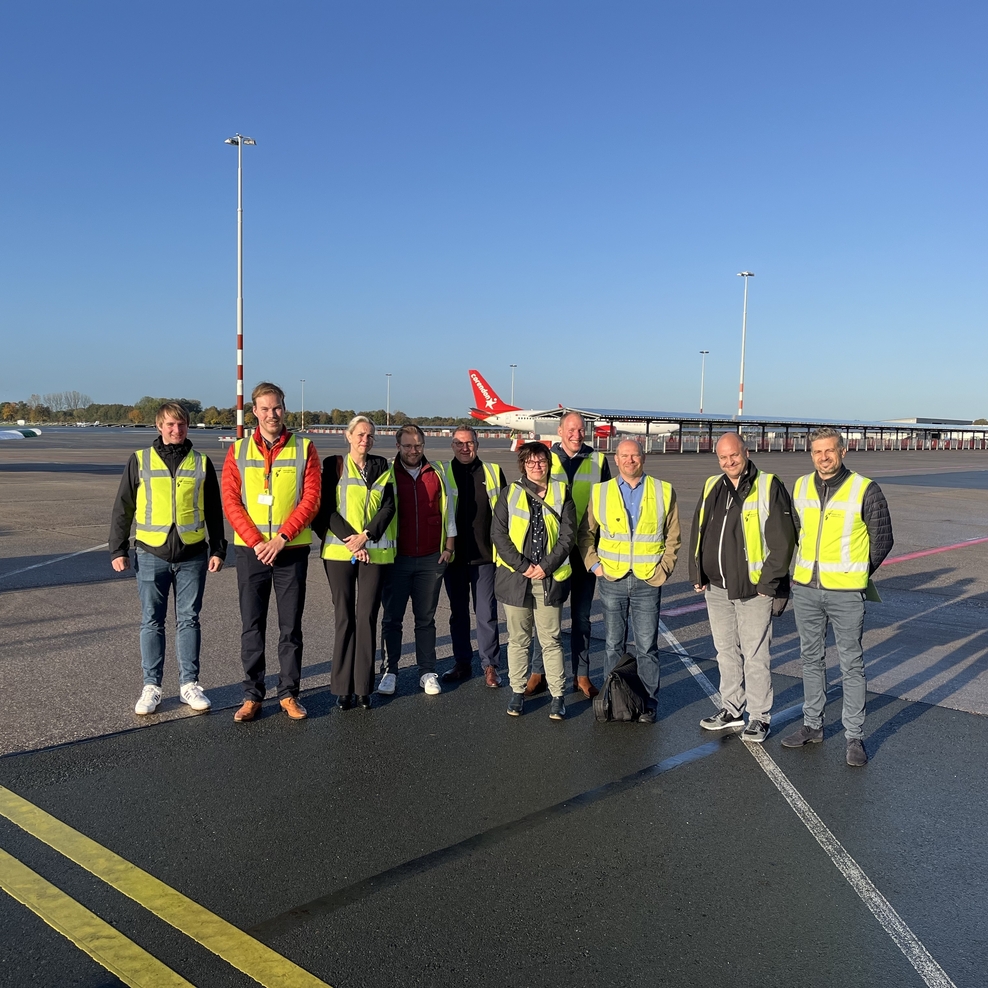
{"x":413,"y":445}
{"x":459,"y":445}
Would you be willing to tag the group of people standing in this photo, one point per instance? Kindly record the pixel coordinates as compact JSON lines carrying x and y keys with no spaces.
{"x":398,"y":531}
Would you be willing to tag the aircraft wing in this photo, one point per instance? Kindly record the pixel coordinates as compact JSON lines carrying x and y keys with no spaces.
{"x":19,"y":433}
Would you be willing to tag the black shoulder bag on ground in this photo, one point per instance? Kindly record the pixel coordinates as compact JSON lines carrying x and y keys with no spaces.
{"x":623,"y":696}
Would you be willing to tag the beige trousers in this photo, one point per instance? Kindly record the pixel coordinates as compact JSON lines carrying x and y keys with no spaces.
{"x":547,"y":622}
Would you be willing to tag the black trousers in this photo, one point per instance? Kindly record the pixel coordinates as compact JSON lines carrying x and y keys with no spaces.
{"x":356,"y":590}
{"x":464,"y":581}
{"x":254,"y":582}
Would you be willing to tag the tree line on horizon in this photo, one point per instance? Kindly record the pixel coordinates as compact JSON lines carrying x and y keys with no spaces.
{"x":69,"y":407}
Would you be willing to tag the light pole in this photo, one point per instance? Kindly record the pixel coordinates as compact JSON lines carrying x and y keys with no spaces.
{"x":513,"y":366}
{"x":303,"y":405}
{"x":388,"y":376}
{"x":239,"y":140}
{"x":703,"y":362}
{"x":744,"y":328}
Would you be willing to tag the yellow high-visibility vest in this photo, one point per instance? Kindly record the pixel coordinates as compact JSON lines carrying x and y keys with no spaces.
{"x":839,"y":547}
{"x":284,"y":485}
{"x":754,"y":517}
{"x":164,"y":500}
{"x":617,"y":548}
{"x":588,"y":473}
{"x":520,"y":518}
{"x":358,"y":503}
{"x":492,"y":484}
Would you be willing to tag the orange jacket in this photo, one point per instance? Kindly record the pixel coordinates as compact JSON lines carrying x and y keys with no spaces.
{"x":305,"y":510}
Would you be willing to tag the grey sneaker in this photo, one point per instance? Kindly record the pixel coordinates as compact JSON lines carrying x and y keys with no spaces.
{"x":856,"y":754}
{"x":757,"y":730}
{"x":805,"y":735}
{"x":722,"y":720}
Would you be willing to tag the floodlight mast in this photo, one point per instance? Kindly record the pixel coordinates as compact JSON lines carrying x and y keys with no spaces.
{"x":239,"y":140}
{"x":744,"y":327}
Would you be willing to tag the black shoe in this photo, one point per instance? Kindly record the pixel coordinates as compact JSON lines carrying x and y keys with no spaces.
{"x":364,"y":701}
{"x":805,"y":735}
{"x":557,"y":709}
{"x":856,"y":754}
{"x":343,"y":702}
{"x":459,"y":672}
{"x":647,"y":717}
{"x":516,"y":705}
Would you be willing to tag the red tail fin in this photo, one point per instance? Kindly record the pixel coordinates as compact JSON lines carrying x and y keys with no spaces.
{"x":485,"y":397}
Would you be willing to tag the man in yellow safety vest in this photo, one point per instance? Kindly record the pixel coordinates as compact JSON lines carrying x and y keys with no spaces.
{"x":470,"y":572}
{"x":845,"y":533}
{"x":271,"y":492}
{"x":741,"y":545}
{"x":630,"y":537}
{"x":171,"y":490}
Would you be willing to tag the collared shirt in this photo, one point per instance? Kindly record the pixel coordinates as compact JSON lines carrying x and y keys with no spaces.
{"x":632,"y":497}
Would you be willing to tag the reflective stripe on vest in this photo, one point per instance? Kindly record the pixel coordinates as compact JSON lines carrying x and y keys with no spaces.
{"x":358,"y":504}
{"x":164,"y":500}
{"x":839,"y":549}
{"x":285,"y":484}
{"x":617,"y":548}
{"x":587,"y":474}
{"x":520,"y":518}
{"x":491,"y":483}
{"x":754,"y":517}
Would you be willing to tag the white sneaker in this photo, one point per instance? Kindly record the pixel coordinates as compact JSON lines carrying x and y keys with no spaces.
{"x":149,"y":699}
{"x":430,"y":683}
{"x":388,"y":683}
{"x":192,"y":694}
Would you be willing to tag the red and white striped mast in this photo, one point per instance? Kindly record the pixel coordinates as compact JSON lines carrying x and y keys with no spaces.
{"x":239,"y":140}
{"x":744,"y":328}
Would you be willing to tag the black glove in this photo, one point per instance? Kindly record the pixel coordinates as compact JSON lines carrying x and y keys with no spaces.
{"x":779,"y":605}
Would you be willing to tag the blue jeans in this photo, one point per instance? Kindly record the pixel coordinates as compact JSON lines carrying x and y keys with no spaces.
{"x":634,"y":597}
{"x":155,"y":579}
{"x":845,"y":609}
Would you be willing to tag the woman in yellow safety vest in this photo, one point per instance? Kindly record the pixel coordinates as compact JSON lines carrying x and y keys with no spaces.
{"x":355,"y":523}
{"x":533,"y":531}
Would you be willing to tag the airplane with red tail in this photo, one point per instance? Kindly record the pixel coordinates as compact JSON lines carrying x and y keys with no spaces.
{"x":491,"y":409}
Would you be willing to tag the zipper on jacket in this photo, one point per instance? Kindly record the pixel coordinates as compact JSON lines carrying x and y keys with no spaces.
{"x":819,"y":535}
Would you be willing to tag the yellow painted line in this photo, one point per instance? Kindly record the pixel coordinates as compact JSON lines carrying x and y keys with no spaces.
{"x":241,"y":951}
{"x":131,"y":964}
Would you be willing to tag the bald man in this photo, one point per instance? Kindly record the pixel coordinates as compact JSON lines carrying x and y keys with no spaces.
{"x":741,"y":544}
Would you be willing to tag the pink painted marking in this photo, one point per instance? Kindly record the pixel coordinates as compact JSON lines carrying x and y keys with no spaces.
{"x":932,"y":552}
{"x":690,"y":608}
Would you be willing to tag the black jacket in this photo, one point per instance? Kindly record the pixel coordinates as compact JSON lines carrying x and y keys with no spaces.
{"x":717,"y":553}
{"x":510,"y":585}
{"x":330,"y":519}
{"x":174,"y":550}
{"x":874,"y":513}
{"x":473,"y":512}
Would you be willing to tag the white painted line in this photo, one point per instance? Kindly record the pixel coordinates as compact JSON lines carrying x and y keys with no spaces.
{"x":893,"y":924}
{"x":71,"y":555}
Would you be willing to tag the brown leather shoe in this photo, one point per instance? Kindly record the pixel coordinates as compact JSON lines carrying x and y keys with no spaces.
{"x":492,"y":677}
{"x":536,"y":684}
{"x":585,"y":686}
{"x":250,"y":710}
{"x":293,"y":708}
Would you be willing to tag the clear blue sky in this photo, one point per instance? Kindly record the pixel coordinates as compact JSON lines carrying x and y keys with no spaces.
{"x":567,"y":186}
